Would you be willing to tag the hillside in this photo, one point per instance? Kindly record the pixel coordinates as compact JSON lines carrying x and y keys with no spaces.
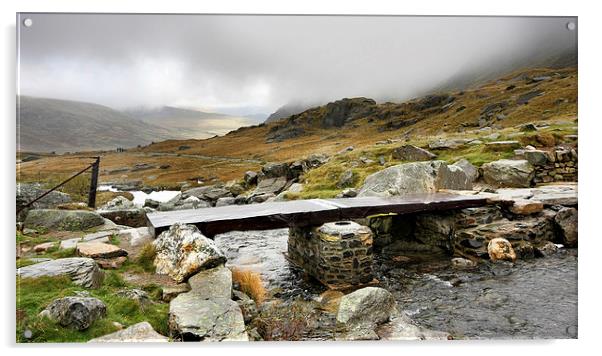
{"x":546,"y":97}
{"x":188,"y":123}
{"x":60,"y":125}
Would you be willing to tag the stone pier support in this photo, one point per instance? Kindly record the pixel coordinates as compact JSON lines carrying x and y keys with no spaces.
{"x":338,"y":254}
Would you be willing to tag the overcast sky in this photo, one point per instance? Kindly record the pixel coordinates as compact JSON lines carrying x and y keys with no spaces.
{"x":250,"y":64}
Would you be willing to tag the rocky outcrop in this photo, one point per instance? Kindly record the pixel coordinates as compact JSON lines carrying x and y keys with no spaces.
{"x":412,"y":153}
{"x":417,"y":177}
{"x":183,"y":251}
{"x":76,"y":312}
{"x":567,"y":220}
{"x":141,"y":332}
{"x":508,"y":173}
{"x":70,"y":220}
{"x":500,"y":249}
{"x":82,"y":271}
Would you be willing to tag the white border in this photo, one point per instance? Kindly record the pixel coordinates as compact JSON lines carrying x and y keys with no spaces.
{"x":590,"y":94}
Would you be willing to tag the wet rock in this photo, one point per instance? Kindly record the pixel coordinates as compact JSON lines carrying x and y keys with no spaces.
{"x":546,"y":249}
{"x":193,"y":318}
{"x":416,"y":177}
{"x":471,"y":172}
{"x":140,"y":332}
{"x":346,"y":179}
{"x":436,"y":230}
{"x":183,"y":251}
{"x":459,"y":262}
{"x":401,"y":327}
{"x":508,"y":173}
{"x":212,"y":283}
{"x":76,"y":312}
{"x":170,"y":292}
{"x":99,"y":250}
{"x":567,"y":220}
{"x":523,"y":249}
{"x":500,"y":249}
{"x":70,"y":220}
{"x":366,"y":308}
{"x":412,"y":153}
{"x":82,"y":271}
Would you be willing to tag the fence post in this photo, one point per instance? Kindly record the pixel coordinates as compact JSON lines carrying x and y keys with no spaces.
{"x":93,"y":184}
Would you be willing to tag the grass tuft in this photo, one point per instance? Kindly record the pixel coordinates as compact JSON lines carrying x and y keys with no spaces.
{"x":250,"y":283}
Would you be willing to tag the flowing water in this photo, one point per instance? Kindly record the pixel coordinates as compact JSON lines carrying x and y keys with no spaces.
{"x":534,"y":298}
{"x":140,"y":196}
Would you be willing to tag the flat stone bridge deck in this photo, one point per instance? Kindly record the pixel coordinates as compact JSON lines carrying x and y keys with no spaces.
{"x":304,"y":213}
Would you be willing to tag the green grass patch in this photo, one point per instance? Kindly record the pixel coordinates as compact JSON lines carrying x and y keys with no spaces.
{"x":34,"y":294}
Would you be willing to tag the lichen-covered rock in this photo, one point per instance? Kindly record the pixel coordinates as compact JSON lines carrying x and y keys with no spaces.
{"x":82,"y":271}
{"x":416,"y":177}
{"x":141,"y":332}
{"x":76,"y":312}
{"x":508,"y":173}
{"x":55,"y":219}
{"x":183,"y":251}
{"x":500,"y":249}
{"x":212,"y":283}
{"x":567,"y":221}
{"x":366,"y":308}
{"x":412,"y":153}
{"x":194,"y":318}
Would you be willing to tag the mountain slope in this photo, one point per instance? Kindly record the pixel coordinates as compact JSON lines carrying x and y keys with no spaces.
{"x":46,"y":125}
{"x":190,"y":124}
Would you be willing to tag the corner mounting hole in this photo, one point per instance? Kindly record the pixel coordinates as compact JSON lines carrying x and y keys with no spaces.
{"x":571,"y":26}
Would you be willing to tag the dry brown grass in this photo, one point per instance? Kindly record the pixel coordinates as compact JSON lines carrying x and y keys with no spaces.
{"x":250,"y":283}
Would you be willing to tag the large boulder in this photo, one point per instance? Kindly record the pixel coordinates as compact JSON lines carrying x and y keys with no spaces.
{"x":76,"y":312}
{"x":415,"y":177}
{"x":508,"y":173}
{"x":183,"y":251}
{"x":366,"y":308}
{"x":469,"y":169}
{"x":82,"y":271}
{"x":412,"y":153}
{"x":567,"y":220}
{"x":212,"y":283}
{"x":70,"y":220}
{"x":27,"y":192}
{"x":141,"y":332}
{"x":194,"y":318}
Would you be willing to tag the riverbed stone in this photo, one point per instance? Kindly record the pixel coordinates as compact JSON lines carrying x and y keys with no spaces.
{"x":183,"y":251}
{"x":366,"y":308}
{"x":140,"y":332}
{"x":56,"y":219}
{"x":567,"y":220}
{"x":508,"y":173}
{"x":76,"y":312}
{"x":415,"y":177}
{"x":82,"y":271}
{"x":193,"y":318}
{"x":500,"y":249}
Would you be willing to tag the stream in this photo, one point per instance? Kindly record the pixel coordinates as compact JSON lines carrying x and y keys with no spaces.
{"x":534,"y":298}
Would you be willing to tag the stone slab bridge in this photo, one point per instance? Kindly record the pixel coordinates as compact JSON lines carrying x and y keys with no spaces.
{"x":322,"y":240}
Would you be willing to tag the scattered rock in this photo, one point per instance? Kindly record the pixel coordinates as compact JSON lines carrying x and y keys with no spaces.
{"x":508,"y":173}
{"x":567,"y":220}
{"x":525,"y":98}
{"x":118,"y":203}
{"x":316,"y":160}
{"x":111,"y":263}
{"x":500,"y":249}
{"x":76,"y":312}
{"x":82,"y":271}
{"x":274,"y":170}
{"x":43,"y":247}
{"x":225,"y":201}
{"x":99,"y":250}
{"x":528,"y":127}
{"x":536,"y":157}
{"x":471,"y":172}
{"x":412,"y":153}
{"x":183,"y":251}
{"x":27,"y":192}
{"x":270,"y":186}
{"x":170,"y":292}
{"x":501,"y":146}
{"x":209,"y":193}
{"x":141,"y":332}
{"x":546,"y":249}
{"x":445,"y":144}
{"x":349,"y":193}
{"x":247,"y":306}
{"x":346,"y":179}
{"x":459,"y":262}
{"x":55,"y":219}
{"x":137,"y":295}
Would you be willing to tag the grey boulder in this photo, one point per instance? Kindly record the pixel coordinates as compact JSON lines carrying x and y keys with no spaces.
{"x":70,"y":220}
{"x":82,"y":271}
{"x":76,"y":312}
{"x":508,"y":173}
{"x":141,"y":332}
